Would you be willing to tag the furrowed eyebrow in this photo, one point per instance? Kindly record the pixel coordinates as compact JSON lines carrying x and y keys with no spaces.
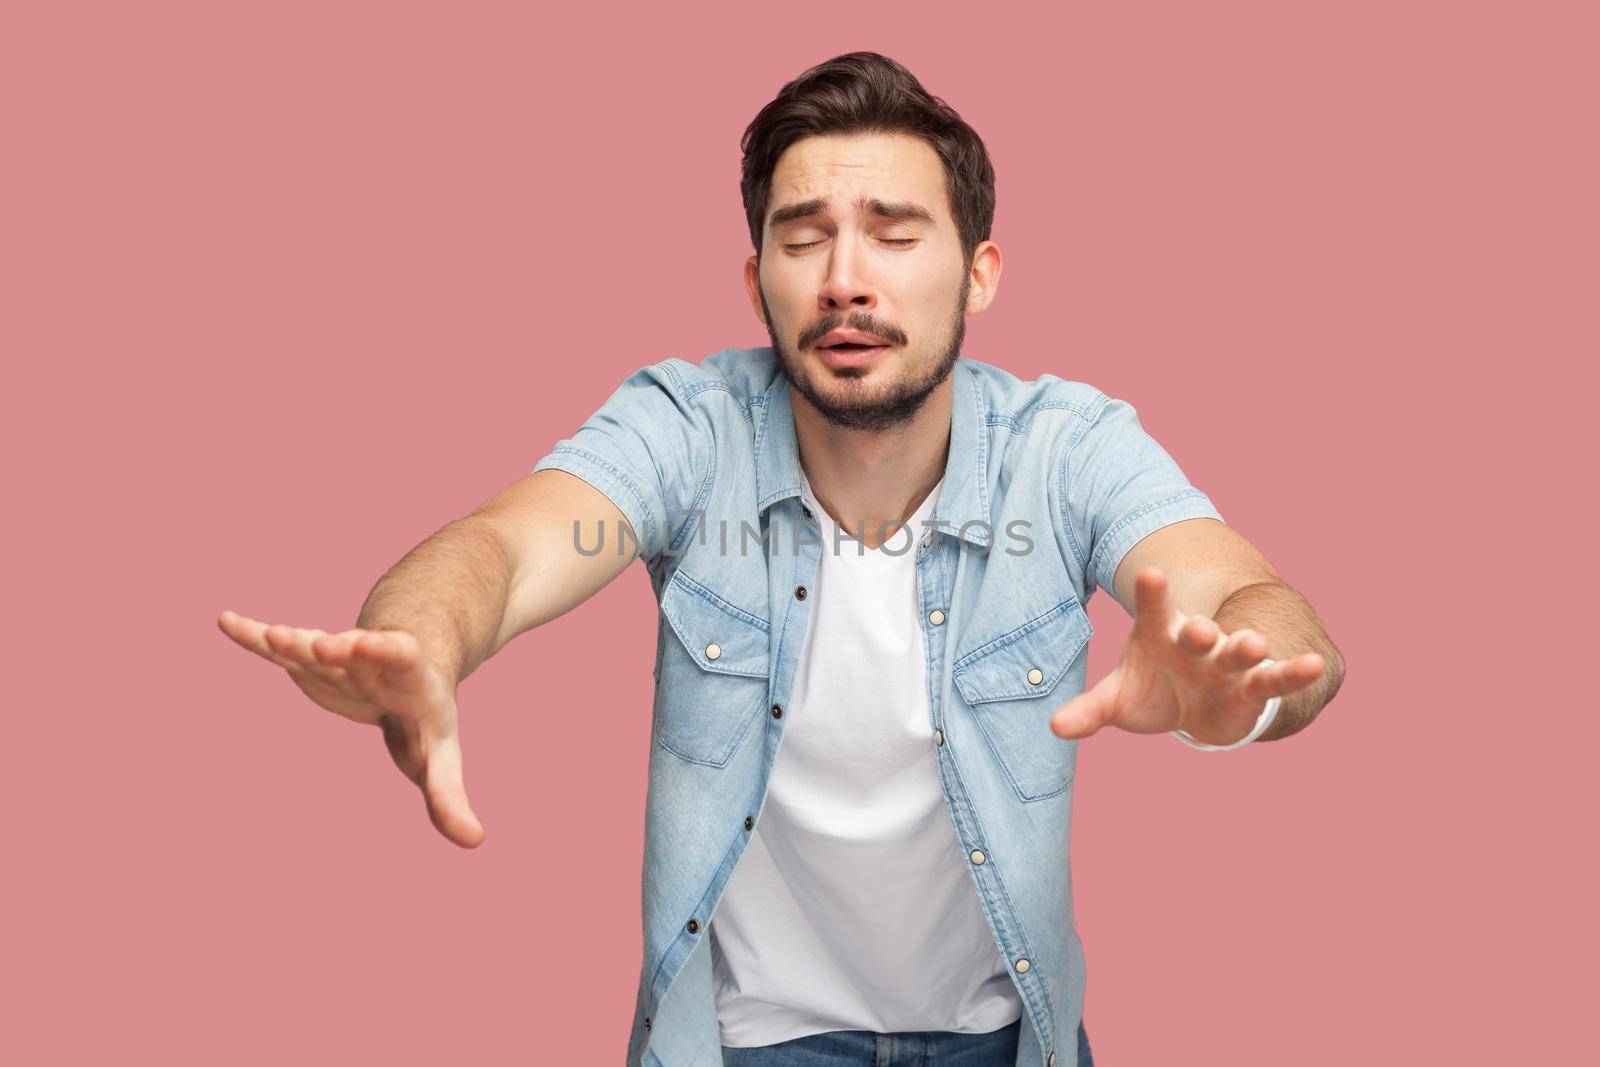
{"x":889,"y":209}
{"x":898,"y":209}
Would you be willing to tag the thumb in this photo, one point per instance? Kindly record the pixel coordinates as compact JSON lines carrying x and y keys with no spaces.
{"x":1088,"y":711}
{"x":446,"y":794}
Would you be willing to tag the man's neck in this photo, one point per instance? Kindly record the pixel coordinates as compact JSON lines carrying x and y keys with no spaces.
{"x":867,"y":479}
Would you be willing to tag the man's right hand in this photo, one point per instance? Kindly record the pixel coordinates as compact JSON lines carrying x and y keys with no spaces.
{"x":380,"y":677}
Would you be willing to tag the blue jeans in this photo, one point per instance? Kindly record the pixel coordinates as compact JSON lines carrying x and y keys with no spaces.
{"x":915,"y":1048}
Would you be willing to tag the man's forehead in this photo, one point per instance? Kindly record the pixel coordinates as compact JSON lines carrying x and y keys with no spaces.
{"x":850,"y":172}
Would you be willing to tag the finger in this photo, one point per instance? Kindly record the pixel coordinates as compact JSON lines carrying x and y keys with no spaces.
{"x":1087,"y":712}
{"x":330,"y":654}
{"x":287,"y":642}
{"x":334,"y":649}
{"x":294,"y":642}
{"x":1242,"y":649}
{"x":1198,"y":635}
{"x":398,"y":656}
{"x":363,"y":667}
{"x":332,"y":673}
{"x":251,"y":634}
{"x":1283,"y":678}
{"x":387,"y":648}
{"x":1152,"y":606}
{"x":446,"y":795}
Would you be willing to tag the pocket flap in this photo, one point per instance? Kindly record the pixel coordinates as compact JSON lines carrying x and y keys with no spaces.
{"x":718,"y":635}
{"x":1001,"y":668}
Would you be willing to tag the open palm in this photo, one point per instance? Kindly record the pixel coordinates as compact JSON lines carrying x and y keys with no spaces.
{"x":382,"y":678}
{"x":1181,"y":672}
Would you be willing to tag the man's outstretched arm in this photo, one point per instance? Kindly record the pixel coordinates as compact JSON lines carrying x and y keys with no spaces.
{"x":510,"y":565}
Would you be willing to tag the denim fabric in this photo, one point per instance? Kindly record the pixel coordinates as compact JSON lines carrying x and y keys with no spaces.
{"x":1047,"y":485}
{"x":861,"y":1048}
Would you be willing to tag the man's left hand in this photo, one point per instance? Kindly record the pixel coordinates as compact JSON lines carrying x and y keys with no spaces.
{"x":1181,"y":672}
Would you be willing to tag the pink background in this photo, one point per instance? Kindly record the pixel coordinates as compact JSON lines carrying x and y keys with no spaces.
{"x":287,"y":289}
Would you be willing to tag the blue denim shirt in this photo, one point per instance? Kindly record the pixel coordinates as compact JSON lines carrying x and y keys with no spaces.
{"x":1048,"y":484}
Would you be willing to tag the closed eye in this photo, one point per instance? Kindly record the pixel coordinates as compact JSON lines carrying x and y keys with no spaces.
{"x":899,"y":241}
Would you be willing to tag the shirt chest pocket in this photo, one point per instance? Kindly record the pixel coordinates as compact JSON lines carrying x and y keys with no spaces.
{"x":713,"y":678}
{"x":1011,"y":683}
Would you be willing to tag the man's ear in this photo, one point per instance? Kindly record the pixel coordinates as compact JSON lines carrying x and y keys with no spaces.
{"x":752,"y":285}
{"x":986,"y":264}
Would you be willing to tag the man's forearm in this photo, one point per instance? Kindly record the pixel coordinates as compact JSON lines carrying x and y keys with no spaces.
{"x":1289,"y":623}
{"x":450,"y":591}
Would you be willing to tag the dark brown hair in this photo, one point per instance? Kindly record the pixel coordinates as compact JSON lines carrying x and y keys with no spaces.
{"x":864,"y":92}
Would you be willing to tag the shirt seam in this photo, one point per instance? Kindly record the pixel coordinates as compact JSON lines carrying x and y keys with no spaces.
{"x":622,"y":479}
{"x":688,"y":392}
{"x":996,"y":419}
{"x":1087,"y":421}
{"x":1109,"y":539}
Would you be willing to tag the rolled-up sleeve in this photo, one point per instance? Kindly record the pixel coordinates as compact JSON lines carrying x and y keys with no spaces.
{"x":647,"y":450}
{"x":1121,"y":486}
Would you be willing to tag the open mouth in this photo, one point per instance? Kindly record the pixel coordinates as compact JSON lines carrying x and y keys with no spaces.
{"x":849,"y":353}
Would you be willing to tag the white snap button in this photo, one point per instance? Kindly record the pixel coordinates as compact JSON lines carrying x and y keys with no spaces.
{"x":1035,"y":676}
{"x":936,"y":617}
{"x":927,"y":539}
{"x":1051,"y":1062}
{"x":713,"y":650}
{"x":977,"y":855}
{"x":938,"y":737}
{"x":1023,"y":965}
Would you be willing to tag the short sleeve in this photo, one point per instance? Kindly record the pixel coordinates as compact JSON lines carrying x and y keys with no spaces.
{"x":647,"y":450}
{"x":1121,"y":486}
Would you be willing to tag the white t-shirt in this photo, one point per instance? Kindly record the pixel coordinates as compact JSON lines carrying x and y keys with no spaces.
{"x":852,"y":907}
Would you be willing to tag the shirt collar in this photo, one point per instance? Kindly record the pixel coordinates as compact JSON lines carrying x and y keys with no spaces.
{"x":963,"y":499}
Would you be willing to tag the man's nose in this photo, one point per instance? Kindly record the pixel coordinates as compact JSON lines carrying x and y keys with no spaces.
{"x":846,"y":285}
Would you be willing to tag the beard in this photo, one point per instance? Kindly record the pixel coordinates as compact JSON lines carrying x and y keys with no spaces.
{"x":874,"y":409}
